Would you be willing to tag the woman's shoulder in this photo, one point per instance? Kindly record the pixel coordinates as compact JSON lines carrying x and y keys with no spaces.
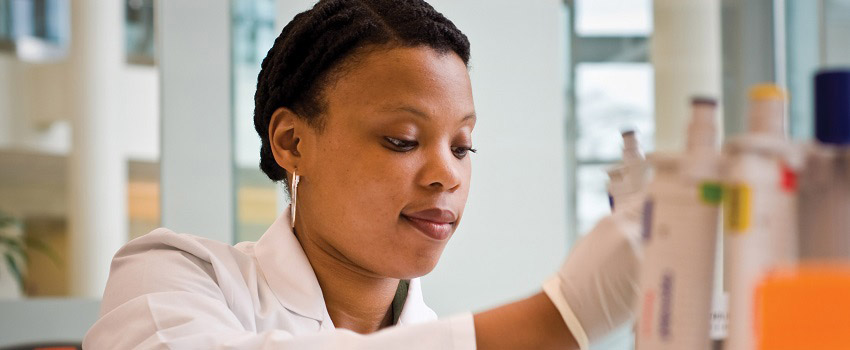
{"x":164,"y":240}
{"x":167,"y":236}
{"x":166,"y":261}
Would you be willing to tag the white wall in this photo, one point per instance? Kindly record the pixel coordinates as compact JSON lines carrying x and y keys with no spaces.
{"x":35,"y":103}
{"x":141,"y":105}
{"x":32,"y":105}
{"x":196,"y":92}
{"x":514,"y":231}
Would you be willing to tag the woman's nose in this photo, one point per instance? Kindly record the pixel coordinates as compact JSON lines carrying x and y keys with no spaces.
{"x":441,"y":171}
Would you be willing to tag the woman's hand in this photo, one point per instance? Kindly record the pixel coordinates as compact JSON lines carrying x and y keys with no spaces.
{"x":597,"y":287}
{"x":593,"y":293}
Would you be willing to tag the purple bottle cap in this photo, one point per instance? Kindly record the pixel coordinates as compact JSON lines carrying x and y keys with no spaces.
{"x":832,"y":106}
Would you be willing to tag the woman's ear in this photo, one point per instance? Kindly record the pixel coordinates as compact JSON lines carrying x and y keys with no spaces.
{"x":284,"y":138}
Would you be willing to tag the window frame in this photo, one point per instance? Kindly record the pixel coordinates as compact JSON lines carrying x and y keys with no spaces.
{"x":627,"y":48}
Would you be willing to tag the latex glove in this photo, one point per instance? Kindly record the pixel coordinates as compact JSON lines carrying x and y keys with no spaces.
{"x":596,"y":289}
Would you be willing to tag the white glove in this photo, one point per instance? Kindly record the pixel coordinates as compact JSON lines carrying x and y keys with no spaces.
{"x":597,"y":287}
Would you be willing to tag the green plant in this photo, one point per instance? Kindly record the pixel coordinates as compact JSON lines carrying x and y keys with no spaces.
{"x":16,"y":244}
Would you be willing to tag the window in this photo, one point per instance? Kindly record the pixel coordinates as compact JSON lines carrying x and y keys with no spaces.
{"x":6,"y":38}
{"x":610,"y":97}
{"x":40,"y":30}
{"x":254,"y":33}
{"x":36,"y":30}
{"x":613,"y":17}
{"x":611,"y":90}
{"x":139,"y":31}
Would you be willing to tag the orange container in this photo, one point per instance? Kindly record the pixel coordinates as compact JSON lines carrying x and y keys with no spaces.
{"x":805,"y":307}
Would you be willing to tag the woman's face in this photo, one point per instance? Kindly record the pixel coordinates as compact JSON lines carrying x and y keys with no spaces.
{"x":385,"y":180}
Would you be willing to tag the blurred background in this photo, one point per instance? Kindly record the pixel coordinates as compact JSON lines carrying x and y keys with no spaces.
{"x":120,"y":116}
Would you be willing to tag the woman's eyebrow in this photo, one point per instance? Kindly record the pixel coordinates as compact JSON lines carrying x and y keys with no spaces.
{"x":421,"y":114}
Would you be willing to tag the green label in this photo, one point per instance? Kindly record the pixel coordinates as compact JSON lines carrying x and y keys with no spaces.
{"x":711,"y":193}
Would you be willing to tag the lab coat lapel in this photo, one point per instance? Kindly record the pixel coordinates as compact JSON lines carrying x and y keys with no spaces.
{"x":288,"y":272}
{"x":291,"y":278}
{"x":415,"y":310}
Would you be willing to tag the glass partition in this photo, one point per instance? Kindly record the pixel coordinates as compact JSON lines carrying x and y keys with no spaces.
{"x":253,"y":31}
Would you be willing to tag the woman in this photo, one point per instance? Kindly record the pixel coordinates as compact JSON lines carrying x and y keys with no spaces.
{"x":365,"y":112}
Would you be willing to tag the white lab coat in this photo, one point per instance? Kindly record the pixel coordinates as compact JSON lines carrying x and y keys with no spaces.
{"x":177,"y":291}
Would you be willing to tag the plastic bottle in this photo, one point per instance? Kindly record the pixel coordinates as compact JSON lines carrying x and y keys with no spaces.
{"x":628,"y":180}
{"x":627,"y":183}
{"x":680,"y":226}
{"x":760,"y":202}
{"x":825,"y":179}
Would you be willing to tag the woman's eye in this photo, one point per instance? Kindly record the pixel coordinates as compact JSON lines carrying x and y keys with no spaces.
{"x":399,"y":145}
{"x":461,"y":152}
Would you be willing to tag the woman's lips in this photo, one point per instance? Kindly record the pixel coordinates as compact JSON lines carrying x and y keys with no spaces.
{"x":435,"y":222}
{"x":436,"y":230}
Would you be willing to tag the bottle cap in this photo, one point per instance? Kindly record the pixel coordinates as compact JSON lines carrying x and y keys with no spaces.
{"x":767,"y":91}
{"x":702,"y":129}
{"x":832,"y":106}
{"x":767,"y":110}
{"x":631,"y":148}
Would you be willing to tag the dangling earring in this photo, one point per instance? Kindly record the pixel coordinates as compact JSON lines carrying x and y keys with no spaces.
{"x":294,"y":195}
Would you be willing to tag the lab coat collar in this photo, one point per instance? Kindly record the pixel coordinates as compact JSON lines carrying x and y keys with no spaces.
{"x":288,"y":271}
{"x":415,"y":310}
{"x":294,"y":283}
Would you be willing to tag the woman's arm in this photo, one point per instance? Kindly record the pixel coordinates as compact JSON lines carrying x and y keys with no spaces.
{"x":532,"y":323}
{"x":182,"y":320}
{"x":594,"y":292}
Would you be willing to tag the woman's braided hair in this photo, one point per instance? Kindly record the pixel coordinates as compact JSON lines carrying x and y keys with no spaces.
{"x":317,"y":41}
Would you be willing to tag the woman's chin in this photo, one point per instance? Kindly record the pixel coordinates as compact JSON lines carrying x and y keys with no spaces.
{"x":413,"y":267}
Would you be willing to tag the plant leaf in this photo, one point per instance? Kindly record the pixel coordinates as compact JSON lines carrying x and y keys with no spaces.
{"x":13,"y":267}
{"x":14,"y":244}
{"x":41,"y":247}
